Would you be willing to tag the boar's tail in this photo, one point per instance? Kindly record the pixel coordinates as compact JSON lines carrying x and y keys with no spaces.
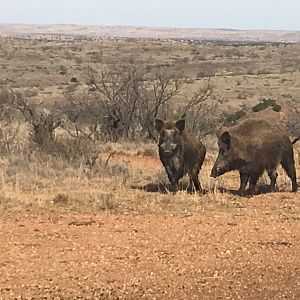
{"x":295,"y":140}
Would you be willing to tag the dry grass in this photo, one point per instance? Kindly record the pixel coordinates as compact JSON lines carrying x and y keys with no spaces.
{"x":129,"y":182}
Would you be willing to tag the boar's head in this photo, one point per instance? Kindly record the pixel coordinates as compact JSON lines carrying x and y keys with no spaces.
{"x":170,"y":140}
{"x":227,"y":159}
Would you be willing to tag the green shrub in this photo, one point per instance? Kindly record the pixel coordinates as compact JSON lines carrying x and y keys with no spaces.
{"x":264,"y":103}
{"x":231,"y":119}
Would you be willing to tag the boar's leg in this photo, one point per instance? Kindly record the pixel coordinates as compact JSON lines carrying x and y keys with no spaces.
{"x":194,"y":185}
{"x":173,"y":181}
{"x":178,"y":172}
{"x":253,"y":181}
{"x":171,"y":172}
{"x":273,"y":176}
{"x":288,"y":164}
{"x":197,"y":184}
{"x":244,"y":177}
{"x":194,"y":181}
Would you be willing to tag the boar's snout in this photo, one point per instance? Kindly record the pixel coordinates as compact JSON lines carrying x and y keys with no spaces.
{"x":216,"y":171}
{"x":168,"y":148}
{"x":167,"y":152}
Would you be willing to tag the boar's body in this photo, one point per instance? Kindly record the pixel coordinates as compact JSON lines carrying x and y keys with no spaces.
{"x":253,"y":147}
{"x":180,"y":153}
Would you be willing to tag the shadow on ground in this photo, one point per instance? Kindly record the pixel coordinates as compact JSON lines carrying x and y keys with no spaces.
{"x":260,"y":189}
{"x":165,"y":188}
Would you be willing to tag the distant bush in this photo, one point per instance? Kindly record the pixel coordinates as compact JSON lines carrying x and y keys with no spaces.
{"x":231,"y":119}
{"x":263,"y":104}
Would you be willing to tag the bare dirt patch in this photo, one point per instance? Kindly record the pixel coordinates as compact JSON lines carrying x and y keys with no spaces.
{"x":251,"y":252}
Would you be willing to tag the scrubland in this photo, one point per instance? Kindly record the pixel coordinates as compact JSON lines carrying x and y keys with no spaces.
{"x":86,"y":211}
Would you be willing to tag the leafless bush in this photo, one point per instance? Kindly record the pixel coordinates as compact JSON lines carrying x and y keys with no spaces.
{"x":42,"y":129}
{"x":200,"y":111}
{"x":83,"y":117}
{"x":42,"y":123}
{"x":118,"y":95}
{"x":155,"y":99}
{"x":129,"y":101}
{"x":9,"y":122}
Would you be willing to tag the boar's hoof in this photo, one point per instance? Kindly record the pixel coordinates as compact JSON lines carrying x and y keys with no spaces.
{"x":249,"y":192}
{"x":192,"y":190}
{"x":295,"y":188}
{"x":240,"y":192}
{"x":173,"y":189}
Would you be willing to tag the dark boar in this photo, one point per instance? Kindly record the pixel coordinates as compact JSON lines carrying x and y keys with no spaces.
{"x":252,"y":147}
{"x":180,"y":153}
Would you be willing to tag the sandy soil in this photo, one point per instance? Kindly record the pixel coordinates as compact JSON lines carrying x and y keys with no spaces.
{"x":254,"y":254}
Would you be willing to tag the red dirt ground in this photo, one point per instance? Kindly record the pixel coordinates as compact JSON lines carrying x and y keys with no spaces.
{"x":48,"y":254}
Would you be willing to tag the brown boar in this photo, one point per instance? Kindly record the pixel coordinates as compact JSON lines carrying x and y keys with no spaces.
{"x":252,"y":147}
{"x":180,"y":152}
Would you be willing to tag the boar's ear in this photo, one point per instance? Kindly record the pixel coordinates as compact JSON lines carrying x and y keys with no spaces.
{"x":225,"y":138}
{"x":180,"y":124}
{"x":159,"y":124}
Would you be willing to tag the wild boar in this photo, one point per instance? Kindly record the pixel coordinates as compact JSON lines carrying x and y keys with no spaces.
{"x":180,"y":152}
{"x":252,"y":147}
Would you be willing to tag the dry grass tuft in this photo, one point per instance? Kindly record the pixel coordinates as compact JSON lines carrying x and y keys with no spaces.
{"x":61,"y":199}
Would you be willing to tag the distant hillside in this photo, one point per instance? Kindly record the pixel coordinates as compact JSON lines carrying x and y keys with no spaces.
{"x":94,"y":32}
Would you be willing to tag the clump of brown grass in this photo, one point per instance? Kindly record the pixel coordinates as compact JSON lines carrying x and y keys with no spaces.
{"x":149,"y":152}
{"x":61,"y":199}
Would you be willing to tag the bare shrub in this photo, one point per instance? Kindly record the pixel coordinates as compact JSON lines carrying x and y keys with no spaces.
{"x":117,"y":91}
{"x":155,"y":98}
{"x":9,"y":121}
{"x":42,"y":123}
{"x":83,"y":117}
{"x":50,"y":132}
{"x":130,"y":101}
{"x":47,"y":133}
{"x":200,"y":111}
